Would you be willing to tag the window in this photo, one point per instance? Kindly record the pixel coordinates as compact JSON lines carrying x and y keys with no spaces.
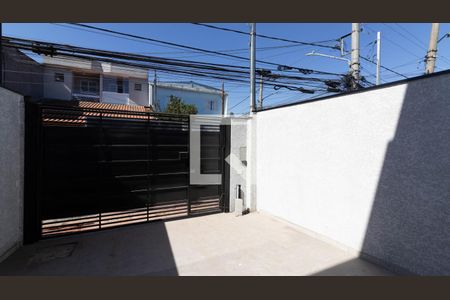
{"x":115,"y":85}
{"x":120,"y":85}
{"x":89,"y":86}
{"x":86,"y":84}
{"x":138,"y":87}
{"x":59,"y":77}
{"x":210,"y":149}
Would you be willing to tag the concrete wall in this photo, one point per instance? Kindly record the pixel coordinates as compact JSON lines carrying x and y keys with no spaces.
{"x":237,"y":167}
{"x":369,"y":170}
{"x":54,"y":89}
{"x":139,"y":97}
{"x":11,"y":171}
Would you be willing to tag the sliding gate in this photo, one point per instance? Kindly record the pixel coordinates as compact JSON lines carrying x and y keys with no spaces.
{"x":90,"y":169}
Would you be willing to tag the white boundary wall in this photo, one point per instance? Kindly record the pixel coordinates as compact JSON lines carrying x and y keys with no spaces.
{"x":369,"y":170}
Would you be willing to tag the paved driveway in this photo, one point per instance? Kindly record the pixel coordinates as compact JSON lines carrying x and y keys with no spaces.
{"x":221,"y":244}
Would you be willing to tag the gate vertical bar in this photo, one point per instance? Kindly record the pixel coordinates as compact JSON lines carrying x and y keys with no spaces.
{"x":40,"y":169}
{"x":189,"y":166}
{"x":32,"y":223}
{"x":148,"y":165}
{"x":225,"y":140}
{"x":102,"y":172}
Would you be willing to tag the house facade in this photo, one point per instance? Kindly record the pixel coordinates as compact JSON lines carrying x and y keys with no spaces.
{"x":69,"y":78}
{"x":89,"y":80}
{"x":208,"y":100}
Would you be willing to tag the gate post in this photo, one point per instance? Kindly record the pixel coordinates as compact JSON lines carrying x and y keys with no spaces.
{"x":32,"y":172}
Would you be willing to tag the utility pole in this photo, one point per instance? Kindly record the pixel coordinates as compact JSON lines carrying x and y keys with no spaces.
{"x":430,"y":58}
{"x":154,"y":101}
{"x":223,"y":99}
{"x":260,"y":102}
{"x":378,"y":56}
{"x":354,"y":66}
{"x":252,"y":67}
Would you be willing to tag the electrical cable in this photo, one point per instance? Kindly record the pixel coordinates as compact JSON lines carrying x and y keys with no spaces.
{"x":316,"y":44}
{"x":192,"y":48}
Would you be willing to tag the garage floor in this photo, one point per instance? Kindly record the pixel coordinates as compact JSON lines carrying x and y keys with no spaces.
{"x":220,"y":244}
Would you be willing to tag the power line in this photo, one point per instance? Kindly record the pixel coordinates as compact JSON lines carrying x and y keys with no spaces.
{"x":409,"y":33}
{"x":394,"y":43}
{"x":405,"y":37}
{"x":196,"y":49}
{"x":368,"y":60}
{"x":316,"y":44}
{"x":419,"y":43}
{"x":166,"y":65}
{"x":411,"y":62}
{"x":239,"y":102}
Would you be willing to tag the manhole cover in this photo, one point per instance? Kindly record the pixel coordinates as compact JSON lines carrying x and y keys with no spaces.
{"x":47,"y":254}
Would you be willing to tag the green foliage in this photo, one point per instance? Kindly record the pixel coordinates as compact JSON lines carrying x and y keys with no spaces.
{"x":177,"y":106}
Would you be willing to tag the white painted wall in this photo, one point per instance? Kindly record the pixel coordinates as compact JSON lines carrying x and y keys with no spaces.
{"x":96,"y":67}
{"x":139,"y":97}
{"x":54,"y":89}
{"x":12,"y":128}
{"x":369,"y":170}
{"x":238,"y":168}
{"x":319,"y":163}
{"x":116,"y":98}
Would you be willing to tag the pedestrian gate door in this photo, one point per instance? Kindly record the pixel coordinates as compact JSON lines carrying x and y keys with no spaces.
{"x":90,"y":169}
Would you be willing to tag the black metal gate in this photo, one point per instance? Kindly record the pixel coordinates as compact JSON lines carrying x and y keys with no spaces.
{"x":90,"y":169}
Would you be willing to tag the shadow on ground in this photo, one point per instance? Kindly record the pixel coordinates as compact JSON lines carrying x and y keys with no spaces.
{"x":128,"y":251}
{"x":348,"y":269}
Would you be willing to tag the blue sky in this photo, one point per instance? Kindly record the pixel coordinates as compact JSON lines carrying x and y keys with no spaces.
{"x":403,"y":46}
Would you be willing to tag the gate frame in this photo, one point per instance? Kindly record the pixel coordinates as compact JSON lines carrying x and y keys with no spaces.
{"x":34,"y":167}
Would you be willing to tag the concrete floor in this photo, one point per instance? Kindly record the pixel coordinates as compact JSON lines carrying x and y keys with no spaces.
{"x":221,"y":244}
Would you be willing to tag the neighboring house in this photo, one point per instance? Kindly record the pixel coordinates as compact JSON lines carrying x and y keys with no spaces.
{"x":67,"y":78}
{"x":208,"y":100}
{"x":22,"y":74}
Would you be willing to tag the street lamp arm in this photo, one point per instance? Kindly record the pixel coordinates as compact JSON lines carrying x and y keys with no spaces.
{"x":313,"y":53}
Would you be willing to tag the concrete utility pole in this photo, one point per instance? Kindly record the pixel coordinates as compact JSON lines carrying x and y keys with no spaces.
{"x":354,"y":66}
{"x":252,"y":67}
{"x":378,"y":56}
{"x":223,"y":99}
{"x":430,"y":58}
{"x":154,"y":101}
{"x":260,"y":102}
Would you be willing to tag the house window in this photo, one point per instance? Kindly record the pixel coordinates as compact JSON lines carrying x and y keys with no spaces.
{"x":138,"y":87}
{"x":89,"y":86}
{"x":115,"y":85}
{"x":86,"y":84}
{"x":59,"y":77}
